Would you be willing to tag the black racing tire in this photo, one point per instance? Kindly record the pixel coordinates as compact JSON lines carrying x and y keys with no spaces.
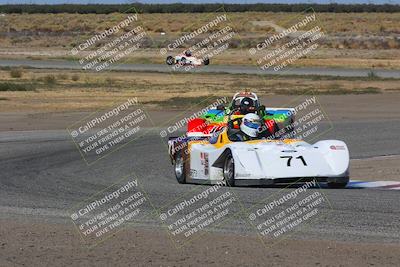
{"x":229,"y":170}
{"x":337,"y":185}
{"x":179,"y":168}
{"x":276,"y":128}
{"x":183,"y":61}
{"x":170,"y":60}
{"x":291,"y":129}
{"x":206,"y":61}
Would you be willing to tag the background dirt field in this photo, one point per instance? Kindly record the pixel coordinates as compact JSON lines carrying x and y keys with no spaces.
{"x":64,"y":90}
{"x":351,"y":39}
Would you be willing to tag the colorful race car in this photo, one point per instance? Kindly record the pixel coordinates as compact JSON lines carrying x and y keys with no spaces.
{"x":258,"y":161}
{"x":242,"y":103}
{"x":186,"y":58}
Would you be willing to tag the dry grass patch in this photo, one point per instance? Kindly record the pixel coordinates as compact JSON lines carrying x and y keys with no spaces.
{"x":162,"y":90}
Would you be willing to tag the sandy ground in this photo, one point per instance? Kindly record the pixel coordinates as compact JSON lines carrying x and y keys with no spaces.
{"x":48,"y":244}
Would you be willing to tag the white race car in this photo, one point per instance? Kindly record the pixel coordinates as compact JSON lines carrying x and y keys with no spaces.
{"x":258,"y":162}
{"x":186,"y":58}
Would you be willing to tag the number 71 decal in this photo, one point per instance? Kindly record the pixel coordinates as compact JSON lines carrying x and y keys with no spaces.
{"x":289,"y":160}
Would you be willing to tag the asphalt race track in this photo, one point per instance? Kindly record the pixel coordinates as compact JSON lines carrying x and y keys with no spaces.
{"x":43,"y":175}
{"x":343,"y":72}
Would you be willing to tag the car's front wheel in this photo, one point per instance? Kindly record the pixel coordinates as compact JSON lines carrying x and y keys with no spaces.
{"x":229,"y":170}
{"x":337,"y":185}
{"x":179,"y":168}
{"x":170,"y":60}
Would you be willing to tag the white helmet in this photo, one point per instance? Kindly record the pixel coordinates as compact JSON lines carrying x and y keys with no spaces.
{"x":250,"y":124}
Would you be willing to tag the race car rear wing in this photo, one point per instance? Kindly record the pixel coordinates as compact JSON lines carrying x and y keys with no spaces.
{"x":281,"y":114}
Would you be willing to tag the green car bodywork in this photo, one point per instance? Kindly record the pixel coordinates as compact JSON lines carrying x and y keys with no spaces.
{"x":283,"y":117}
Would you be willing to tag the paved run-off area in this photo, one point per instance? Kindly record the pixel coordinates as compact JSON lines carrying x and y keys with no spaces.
{"x":43,"y":176}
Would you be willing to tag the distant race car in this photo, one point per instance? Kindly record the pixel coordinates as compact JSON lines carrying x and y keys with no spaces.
{"x":186,"y":58}
{"x":258,"y":162}
{"x":213,"y":120}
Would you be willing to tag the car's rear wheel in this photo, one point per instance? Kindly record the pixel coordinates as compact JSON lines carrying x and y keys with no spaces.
{"x":170,"y":60}
{"x":275,"y":129}
{"x":290,"y":128}
{"x":183,"y":61}
{"x":206,"y":61}
{"x":229,"y":170}
{"x":179,"y":168}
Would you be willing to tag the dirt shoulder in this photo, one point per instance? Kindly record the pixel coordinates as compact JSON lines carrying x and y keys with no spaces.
{"x":45,"y":244}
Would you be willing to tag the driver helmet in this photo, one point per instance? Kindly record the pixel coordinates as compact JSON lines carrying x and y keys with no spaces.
{"x":188,"y":53}
{"x":247,"y":105}
{"x":250,"y":124}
